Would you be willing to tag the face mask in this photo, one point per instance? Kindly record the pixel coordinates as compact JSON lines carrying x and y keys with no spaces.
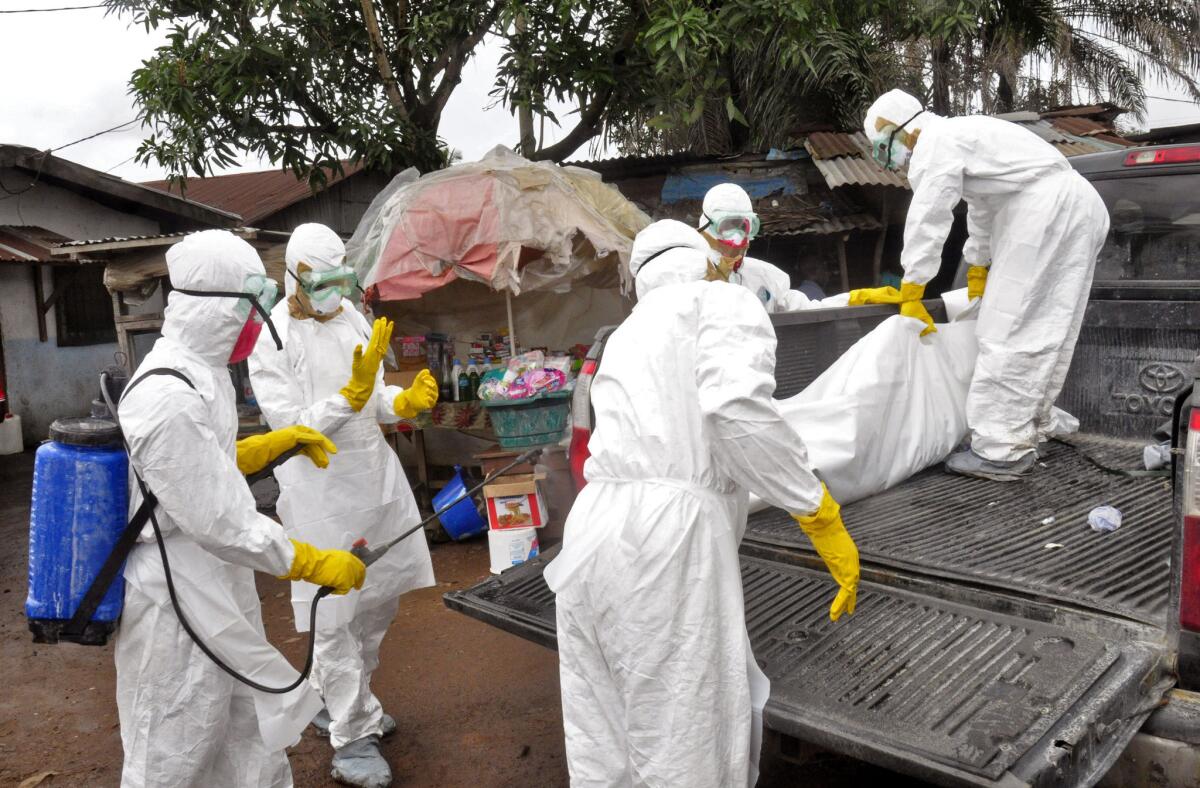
{"x":886,"y":148}
{"x":888,"y":152}
{"x":246,"y":340}
{"x":259,"y":296}
{"x":325,"y":302}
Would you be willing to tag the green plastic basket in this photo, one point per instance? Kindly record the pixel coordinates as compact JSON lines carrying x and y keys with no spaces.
{"x":530,"y":422}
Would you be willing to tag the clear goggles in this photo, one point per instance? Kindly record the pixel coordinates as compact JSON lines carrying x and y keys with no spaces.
{"x":258,"y":295}
{"x":728,"y":226}
{"x":323,"y":284}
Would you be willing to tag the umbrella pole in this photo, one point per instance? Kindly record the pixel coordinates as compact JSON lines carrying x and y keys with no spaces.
{"x":512,"y":333}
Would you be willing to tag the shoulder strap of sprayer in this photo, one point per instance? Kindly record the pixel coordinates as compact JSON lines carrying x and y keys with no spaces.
{"x":116,"y":559}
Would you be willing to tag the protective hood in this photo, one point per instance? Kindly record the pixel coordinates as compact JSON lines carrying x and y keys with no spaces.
{"x":208,"y":260}
{"x":315,"y":245}
{"x":897,"y":108}
{"x":668,"y":252}
{"x":725,"y":198}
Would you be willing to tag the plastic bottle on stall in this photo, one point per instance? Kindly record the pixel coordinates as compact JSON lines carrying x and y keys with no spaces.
{"x":446,"y":390}
{"x":456,"y":388}
{"x":463,"y":384}
{"x":473,"y":378}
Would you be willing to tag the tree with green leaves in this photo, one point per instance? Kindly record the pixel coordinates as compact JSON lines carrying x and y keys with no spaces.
{"x":747,"y":74}
{"x":308,"y":83}
{"x":1001,"y":55}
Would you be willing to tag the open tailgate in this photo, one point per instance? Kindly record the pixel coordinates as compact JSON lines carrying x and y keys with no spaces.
{"x":949,"y":692}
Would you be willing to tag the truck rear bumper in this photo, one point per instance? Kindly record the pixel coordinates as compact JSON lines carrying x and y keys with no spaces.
{"x":1166,"y":751}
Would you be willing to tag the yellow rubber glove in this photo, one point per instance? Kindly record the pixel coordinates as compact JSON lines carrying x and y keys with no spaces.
{"x":259,"y":451}
{"x":339,"y":569}
{"x":421,"y":396}
{"x":365,"y":367}
{"x":911,"y":306}
{"x":908,"y":297}
{"x":829,"y":536}
{"x":976,"y":281}
{"x":874,"y":295}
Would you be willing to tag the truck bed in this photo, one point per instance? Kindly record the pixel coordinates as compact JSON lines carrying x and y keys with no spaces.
{"x":995,"y":534}
{"x":982,"y":652}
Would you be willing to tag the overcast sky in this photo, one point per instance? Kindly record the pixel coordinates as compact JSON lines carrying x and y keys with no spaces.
{"x":65,"y":76}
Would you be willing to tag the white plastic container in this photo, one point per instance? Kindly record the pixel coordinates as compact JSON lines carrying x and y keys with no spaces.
{"x":511,"y":547}
{"x":10,"y":435}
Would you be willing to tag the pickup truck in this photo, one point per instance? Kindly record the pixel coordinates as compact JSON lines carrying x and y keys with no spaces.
{"x":999,"y":641}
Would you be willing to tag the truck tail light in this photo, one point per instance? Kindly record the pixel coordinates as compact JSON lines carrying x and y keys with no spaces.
{"x":578,"y":456}
{"x":581,"y":422}
{"x":1137,"y":158}
{"x":1189,"y":594}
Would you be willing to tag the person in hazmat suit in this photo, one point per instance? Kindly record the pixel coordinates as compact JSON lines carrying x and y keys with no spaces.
{"x":729,"y":224}
{"x":185,"y":721}
{"x":364,"y":492}
{"x":659,"y":685}
{"x":1036,"y":228}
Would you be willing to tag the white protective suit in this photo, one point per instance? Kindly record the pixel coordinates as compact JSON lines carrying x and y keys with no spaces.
{"x":184,"y":722}
{"x":659,"y":684}
{"x":1038,"y":223}
{"x":773,"y":287}
{"x":364,"y":491}
{"x":768,"y":282}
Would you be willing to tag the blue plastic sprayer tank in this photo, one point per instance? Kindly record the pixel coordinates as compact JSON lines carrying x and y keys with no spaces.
{"x":80,"y":507}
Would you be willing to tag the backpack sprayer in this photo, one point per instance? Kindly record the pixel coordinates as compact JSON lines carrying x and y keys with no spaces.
{"x":78,"y":628}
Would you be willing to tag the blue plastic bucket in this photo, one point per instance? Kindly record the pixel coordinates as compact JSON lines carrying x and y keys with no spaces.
{"x":462,"y":520}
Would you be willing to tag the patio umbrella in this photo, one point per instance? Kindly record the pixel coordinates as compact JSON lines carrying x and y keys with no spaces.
{"x":504,"y":222}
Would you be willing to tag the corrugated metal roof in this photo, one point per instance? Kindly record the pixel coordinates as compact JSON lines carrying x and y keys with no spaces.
{"x":854,"y":169}
{"x":27,"y":243}
{"x":1080,"y":127}
{"x":805,"y":226}
{"x":112,"y":239}
{"x":828,"y":144}
{"x":1045,"y":130}
{"x":813,"y":213}
{"x":252,"y":195}
{"x":100,"y":186}
{"x":116,"y":241}
{"x":1085,"y":110}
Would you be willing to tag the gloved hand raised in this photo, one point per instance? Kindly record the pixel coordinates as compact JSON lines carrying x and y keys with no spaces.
{"x":417,"y":398}
{"x":258,"y":451}
{"x":976,"y":281}
{"x":908,"y":297}
{"x":365,"y":367}
{"x":341,"y":570}
{"x":829,"y":536}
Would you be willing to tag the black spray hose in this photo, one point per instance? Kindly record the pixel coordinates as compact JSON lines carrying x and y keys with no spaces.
{"x":369,"y":555}
{"x":323,"y":592}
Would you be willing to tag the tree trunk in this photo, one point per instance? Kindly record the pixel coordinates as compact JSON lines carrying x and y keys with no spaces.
{"x":528,"y":144}
{"x":940,"y":57}
{"x":1004,"y":93}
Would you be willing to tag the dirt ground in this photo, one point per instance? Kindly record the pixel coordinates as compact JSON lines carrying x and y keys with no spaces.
{"x":475,"y":706}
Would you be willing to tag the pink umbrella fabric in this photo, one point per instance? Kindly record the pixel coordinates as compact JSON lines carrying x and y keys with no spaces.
{"x":503,"y":221}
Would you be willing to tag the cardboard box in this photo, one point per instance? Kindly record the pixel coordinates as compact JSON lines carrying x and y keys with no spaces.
{"x":403,"y":379}
{"x":515,"y":503}
{"x":496,"y":458}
